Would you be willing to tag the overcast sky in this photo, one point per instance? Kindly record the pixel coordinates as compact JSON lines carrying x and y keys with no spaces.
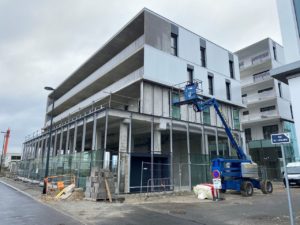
{"x":43,"y":42}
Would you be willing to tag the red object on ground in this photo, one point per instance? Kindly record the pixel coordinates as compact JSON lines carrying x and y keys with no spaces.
{"x":213,"y":193}
{"x":6,"y":138}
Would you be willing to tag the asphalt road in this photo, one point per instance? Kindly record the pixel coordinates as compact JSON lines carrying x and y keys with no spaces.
{"x":17,"y":208}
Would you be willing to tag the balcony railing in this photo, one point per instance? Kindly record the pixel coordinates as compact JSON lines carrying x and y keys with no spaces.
{"x":259,"y":116}
{"x":256,"y":78}
{"x":259,"y":97}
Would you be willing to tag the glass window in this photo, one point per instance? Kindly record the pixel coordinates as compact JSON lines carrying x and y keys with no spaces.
{"x":228,"y":94}
{"x":206,"y":116}
{"x":203,"y":56}
{"x":268,"y":130}
{"x":210,"y":84}
{"x":245,"y":113}
{"x":231,"y":68}
{"x":173,"y":44}
{"x":291,"y":109}
{"x":236,"y":119}
{"x":248,"y":134}
{"x":269,"y":108}
{"x":264,"y":90}
{"x":175,"y":108}
{"x":190,"y":74}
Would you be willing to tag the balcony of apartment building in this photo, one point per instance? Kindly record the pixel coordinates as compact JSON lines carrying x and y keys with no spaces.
{"x":256,"y":78}
{"x":261,"y":114}
{"x":260,"y":97}
{"x":253,"y":64}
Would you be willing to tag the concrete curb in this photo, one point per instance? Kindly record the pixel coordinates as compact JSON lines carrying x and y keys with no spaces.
{"x":39,"y":201}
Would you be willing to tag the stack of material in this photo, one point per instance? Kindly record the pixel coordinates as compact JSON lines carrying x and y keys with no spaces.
{"x":100,"y":185}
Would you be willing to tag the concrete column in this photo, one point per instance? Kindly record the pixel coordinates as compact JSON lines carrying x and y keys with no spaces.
{"x":217,"y":140}
{"x":123,"y":158}
{"x":75,"y":138}
{"x":55,"y":143}
{"x":61,"y":140}
{"x":83,"y":135}
{"x":189,"y":155}
{"x":171,"y":153}
{"x":67,"y":151}
{"x":157,"y":140}
{"x":94,"y":146}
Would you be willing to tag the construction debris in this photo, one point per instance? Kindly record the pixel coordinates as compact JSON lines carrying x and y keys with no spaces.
{"x":100,"y":185}
{"x":66,"y":192}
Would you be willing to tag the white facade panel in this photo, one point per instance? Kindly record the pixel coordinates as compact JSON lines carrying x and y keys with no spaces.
{"x":289,"y":31}
{"x":188,"y":46}
{"x":170,"y":70}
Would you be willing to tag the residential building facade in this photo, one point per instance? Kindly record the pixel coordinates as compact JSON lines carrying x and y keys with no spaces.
{"x":269,"y":108}
{"x":289,"y":18}
{"x":116,"y":110}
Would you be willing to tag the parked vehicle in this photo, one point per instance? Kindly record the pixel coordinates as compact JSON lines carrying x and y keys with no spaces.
{"x":293,"y":171}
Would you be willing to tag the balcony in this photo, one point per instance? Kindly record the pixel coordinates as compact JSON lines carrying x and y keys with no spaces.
{"x":254,"y":61}
{"x":257,"y":78}
{"x":259,"y":97}
{"x":260,"y":144}
{"x":258,"y":117}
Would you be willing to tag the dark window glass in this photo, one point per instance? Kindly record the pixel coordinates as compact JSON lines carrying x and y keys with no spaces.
{"x":210,"y":84}
{"x":206,"y":116}
{"x":248,"y":134}
{"x":274,"y":52}
{"x":175,"y":108}
{"x":291,"y":108}
{"x":269,"y":108}
{"x":203,"y":56}
{"x":244,"y":95}
{"x":268,"y":130}
{"x":228,"y":94}
{"x":190,"y":74}
{"x":279,"y":89}
{"x":15,"y":157}
{"x":266,"y":89}
{"x":174,"y":44}
{"x":231,"y":68}
{"x":245,"y":113}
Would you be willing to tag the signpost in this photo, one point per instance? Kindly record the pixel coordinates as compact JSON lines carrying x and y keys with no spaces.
{"x":284,"y":138}
{"x":217,"y":183}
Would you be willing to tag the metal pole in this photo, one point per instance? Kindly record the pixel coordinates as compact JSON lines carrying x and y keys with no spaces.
{"x":142,"y":170}
{"x":48,"y":152}
{"x":287,"y":186}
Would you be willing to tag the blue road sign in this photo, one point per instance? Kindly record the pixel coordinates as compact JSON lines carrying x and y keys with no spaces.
{"x":280,"y":138}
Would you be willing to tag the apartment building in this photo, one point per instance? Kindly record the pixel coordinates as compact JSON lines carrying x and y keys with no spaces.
{"x":116,"y":110}
{"x":269,"y":108}
{"x":289,"y":18}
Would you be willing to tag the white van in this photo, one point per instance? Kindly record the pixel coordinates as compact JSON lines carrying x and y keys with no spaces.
{"x":293,"y":171}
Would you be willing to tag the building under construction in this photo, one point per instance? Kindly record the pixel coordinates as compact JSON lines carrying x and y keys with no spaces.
{"x":115,"y":111}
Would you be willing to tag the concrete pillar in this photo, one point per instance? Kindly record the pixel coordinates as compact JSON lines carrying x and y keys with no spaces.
{"x":157,"y":140}
{"x":123,"y":175}
{"x":67,"y":151}
{"x":83,"y":135}
{"x":61,"y":141}
{"x":189,"y":155}
{"x":94,"y":146}
{"x":55,"y":143}
{"x":217,"y":140}
{"x":75,"y":138}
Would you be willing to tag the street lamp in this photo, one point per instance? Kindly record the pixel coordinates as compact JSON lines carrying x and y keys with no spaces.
{"x":2,"y":132}
{"x":49,"y":143}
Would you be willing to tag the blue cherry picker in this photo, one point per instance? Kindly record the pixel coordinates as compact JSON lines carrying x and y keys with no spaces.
{"x":239,"y":174}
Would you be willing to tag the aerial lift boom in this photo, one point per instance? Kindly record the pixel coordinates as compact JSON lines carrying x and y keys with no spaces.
{"x":236,"y":174}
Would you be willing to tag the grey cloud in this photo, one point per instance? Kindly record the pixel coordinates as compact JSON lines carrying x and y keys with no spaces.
{"x":43,"y":42}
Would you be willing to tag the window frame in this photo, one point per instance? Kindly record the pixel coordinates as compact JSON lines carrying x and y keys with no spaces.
{"x":210,"y":80}
{"x":174,"y":49}
{"x":228,"y":90}
{"x":203,"y":56}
